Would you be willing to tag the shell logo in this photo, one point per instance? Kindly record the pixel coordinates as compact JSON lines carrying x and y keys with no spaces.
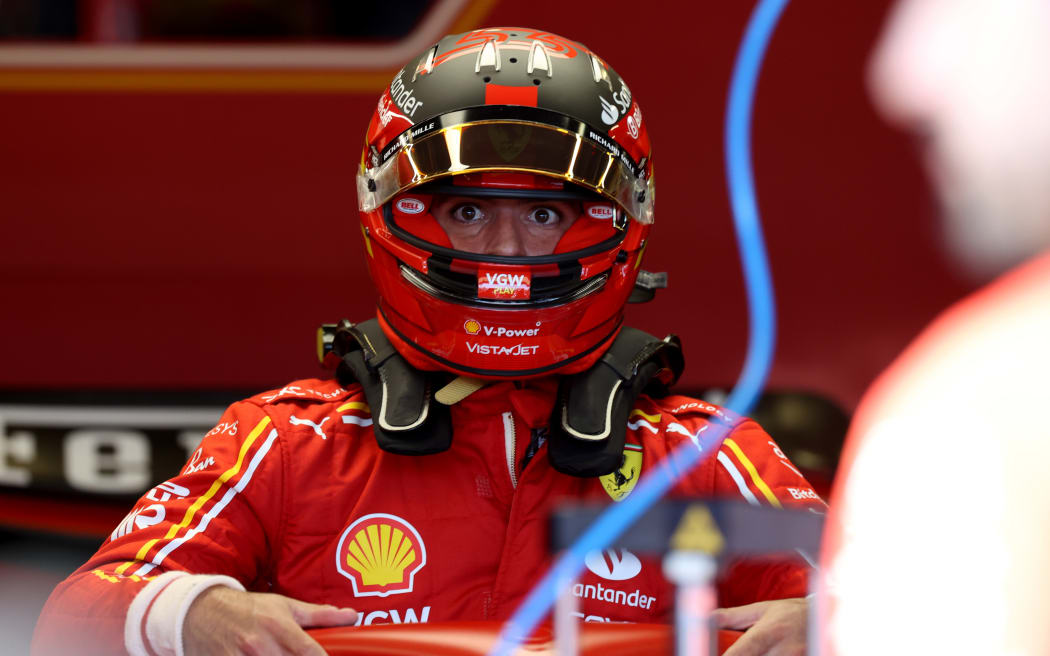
{"x":380,"y":554}
{"x":472,"y":326}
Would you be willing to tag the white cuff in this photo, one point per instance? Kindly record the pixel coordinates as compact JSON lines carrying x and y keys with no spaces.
{"x":159,"y":611}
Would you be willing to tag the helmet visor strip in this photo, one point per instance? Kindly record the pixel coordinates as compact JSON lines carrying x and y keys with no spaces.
{"x":509,"y":145}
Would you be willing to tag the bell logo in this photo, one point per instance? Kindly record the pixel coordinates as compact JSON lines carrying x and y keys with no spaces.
{"x":381,"y":555}
{"x":600,"y":211}
{"x":410,"y":206}
{"x":472,"y":326}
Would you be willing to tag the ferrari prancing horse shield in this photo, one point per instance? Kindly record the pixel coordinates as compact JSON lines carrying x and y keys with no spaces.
{"x":620,"y":483}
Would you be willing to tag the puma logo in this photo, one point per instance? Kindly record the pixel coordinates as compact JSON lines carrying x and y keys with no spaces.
{"x":306,"y":422}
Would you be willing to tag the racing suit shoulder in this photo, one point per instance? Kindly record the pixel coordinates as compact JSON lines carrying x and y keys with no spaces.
{"x":743,"y":463}
{"x":307,"y":409}
{"x":747,"y":464}
{"x":309,"y":390}
{"x":686,"y":407}
{"x":221,"y":514}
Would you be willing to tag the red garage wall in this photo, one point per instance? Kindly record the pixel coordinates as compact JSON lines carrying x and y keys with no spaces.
{"x":194,"y":238}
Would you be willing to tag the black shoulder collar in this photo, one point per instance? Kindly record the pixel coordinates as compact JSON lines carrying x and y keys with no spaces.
{"x":406,"y":418}
{"x":587,"y":429}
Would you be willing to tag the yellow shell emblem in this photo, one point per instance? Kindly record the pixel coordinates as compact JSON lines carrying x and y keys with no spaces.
{"x":381,"y":554}
{"x":620,"y":483}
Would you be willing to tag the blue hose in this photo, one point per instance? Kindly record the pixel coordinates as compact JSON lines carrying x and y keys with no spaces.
{"x":615,"y":520}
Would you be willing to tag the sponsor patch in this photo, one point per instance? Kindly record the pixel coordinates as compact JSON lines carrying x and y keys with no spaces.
{"x":613,"y":564}
{"x":296,"y":421}
{"x":803,"y":493}
{"x":225,"y":427}
{"x":634,"y":121}
{"x":167,"y":489}
{"x":609,"y":112}
{"x":150,"y":515}
{"x":410,"y":205}
{"x":381,"y":555}
{"x":473,"y":327}
{"x":504,"y":286}
{"x":296,"y":391}
{"x":613,"y":596}
{"x":404,"y":96}
{"x":495,"y":349}
{"x":393,"y":616}
{"x":197,"y":463}
{"x":600,"y":211}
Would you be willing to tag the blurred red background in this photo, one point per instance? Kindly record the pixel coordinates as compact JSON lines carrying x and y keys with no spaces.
{"x":165,"y":229}
{"x":184,"y":226}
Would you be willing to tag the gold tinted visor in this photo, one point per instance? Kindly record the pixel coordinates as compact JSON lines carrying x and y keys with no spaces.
{"x":590,"y":160}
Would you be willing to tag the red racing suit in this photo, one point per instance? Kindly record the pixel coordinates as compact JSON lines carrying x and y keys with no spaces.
{"x":291,"y":494}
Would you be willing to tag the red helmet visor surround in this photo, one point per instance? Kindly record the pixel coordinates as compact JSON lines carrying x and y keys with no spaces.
{"x":500,"y":316}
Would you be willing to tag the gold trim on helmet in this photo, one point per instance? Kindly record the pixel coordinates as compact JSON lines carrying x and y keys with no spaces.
{"x":508,"y":145}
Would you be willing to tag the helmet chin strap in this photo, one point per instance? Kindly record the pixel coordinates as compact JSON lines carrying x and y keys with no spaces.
{"x":460,"y":388}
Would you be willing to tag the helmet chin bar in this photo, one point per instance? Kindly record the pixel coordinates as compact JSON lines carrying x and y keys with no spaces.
{"x":589,"y":287}
{"x":584,"y":354}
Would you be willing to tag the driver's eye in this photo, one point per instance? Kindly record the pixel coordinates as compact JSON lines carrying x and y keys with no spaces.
{"x":467,"y":213}
{"x":544,"y":216}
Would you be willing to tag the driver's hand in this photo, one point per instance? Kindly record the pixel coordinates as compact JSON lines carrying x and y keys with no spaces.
{"x":227,"y":621}
{"x":771,"y":628}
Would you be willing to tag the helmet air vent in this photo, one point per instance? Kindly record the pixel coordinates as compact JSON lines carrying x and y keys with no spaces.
{"x":488,"y":56}
{"x":598,"y":70}
{"x":427,"y":66}
{"x":539,"y":59}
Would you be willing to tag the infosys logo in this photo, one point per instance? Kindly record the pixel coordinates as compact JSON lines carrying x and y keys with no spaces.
{"x":613,"y":564}
{"x":381,"y":555}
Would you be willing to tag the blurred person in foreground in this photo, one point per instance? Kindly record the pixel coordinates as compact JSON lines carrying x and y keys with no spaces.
{"x":952,"y":558}
{"x":506,"y":197}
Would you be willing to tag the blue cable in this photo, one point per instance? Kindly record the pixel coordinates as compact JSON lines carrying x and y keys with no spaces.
{"x":742,"y":197}
{"x":615,"y":520}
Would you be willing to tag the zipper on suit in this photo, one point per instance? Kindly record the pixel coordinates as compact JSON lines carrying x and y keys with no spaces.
{"x":510,"y":441}
{"x":537,"y":436}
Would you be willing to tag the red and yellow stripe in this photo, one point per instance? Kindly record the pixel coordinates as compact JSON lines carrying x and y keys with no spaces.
{"x":253,"y":436}
{"x":756,"y":478}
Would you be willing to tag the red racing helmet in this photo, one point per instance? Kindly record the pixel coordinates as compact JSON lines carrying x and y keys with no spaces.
{"x":514,"y":113}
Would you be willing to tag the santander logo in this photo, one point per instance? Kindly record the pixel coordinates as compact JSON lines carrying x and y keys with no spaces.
{"x":613,"y":564}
